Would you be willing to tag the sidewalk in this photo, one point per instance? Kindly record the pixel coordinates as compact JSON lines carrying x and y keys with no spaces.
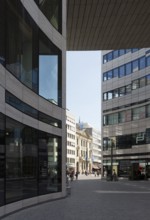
{"x":95,"y":199}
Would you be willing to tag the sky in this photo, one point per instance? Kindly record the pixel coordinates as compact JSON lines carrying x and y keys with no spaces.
{"x":84,"y":86}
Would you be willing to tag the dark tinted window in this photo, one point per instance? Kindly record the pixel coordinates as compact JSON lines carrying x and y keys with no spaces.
{"x":121,"y":71}
{"x":128,"y":68}
{"x":142,"y":63}
{"x":2,"y":34}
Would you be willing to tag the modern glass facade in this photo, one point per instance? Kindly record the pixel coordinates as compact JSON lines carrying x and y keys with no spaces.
{"x":126,"y":121}
{"x":32,"y":108}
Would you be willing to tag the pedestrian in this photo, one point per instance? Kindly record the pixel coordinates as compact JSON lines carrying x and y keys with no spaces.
{"x":76,"y":175}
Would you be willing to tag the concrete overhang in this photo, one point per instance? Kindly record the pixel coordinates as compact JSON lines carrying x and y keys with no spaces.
{"x":108,"y":24}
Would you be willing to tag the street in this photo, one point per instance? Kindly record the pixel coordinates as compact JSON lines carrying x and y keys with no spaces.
{"x":95,"y":199}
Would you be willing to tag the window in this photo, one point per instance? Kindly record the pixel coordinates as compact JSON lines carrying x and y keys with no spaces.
{"x":128,"y":50}
{"x":2,"y":158}
{"x":135,"y":65}
{"x":21,"y":161}
{"x":115,"y":120}
{"x":148,"y":61}
{"x":121,"y":52}
{"x":121,"y":117}
{"x":115,"y":54}
{"x":115,"y":93}
{"x":128,"y":89}
{"x":105,"y":120}
{"x":2,"y":35}
{"x":134,"y":50}
{"x":122,"y":91}
{"x":52,"y":10}
{"x":128,"y":115}
{"x":49,"y":163}
{"x":109,"y":56}
{"x":104,"y":59}
{"x":148,"y":79}
{"x":19,"y":45}
{"x":115,"y":72}
{"x":138,"y":113}
{"x":128,"y":68}
{"x":148,"y":111}
{"x":109,"y":74}
{"x":49,"y":70}
{"x":110,"y":119}
{"x":135,"y":84}
{"x":142,"y":63}
{"x":104,"y":76}
{"x":121,"y":71}
{"x":105,"y":96}
{"x":110,"y":94}
{"x":142,"y":82}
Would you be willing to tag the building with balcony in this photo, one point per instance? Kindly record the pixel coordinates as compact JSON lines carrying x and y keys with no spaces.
{"x":126,"y":111}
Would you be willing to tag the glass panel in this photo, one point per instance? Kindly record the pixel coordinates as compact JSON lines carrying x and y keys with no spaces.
{"x":52,"y":10}
{"x":115,"y":118}
{"x":128,"y":89}
{"x":115,"y":72}
{"x":2,"y":34}
{"x":142,"y":63}
{"x":135,"y":65}
{"x":122,"y":71}
{"x":109,"y":56}
{"x":122,"y":91}
{"x":19,"y":45}
{"x":138,"y":138}
{"x":148,"y":111}
{"x":105,"y":96}
{"x":110,"y":119}
{"x":121,"y":52}
{"x":128,"y":115}
{"x":49,"y":120}
{"x":115,"y":93}
{"x":128,"y":50}
{"x":142,"y":81}
{"x":121,"y":117}
{"x":134,"y":50}
{"x":110,"y":94}
{"x":135,"y":84}
{"x":116,"y":54}
{"x":21,"y":161}
{"x":104,"y":76}
{"x":138,"y":113}
{"x":49,"y":76}
{"x":128,"y":68}
{"x":104,"y":59}
{"x":148,"y":61}
{"x":148,"y":80}
{"x":109,"y":74}
{"x":2,"y":157}
{"x":105,"y":120}
{"x":49,"y":163}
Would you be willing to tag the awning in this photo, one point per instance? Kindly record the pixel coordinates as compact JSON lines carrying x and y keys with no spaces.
{"x":94,"y":166}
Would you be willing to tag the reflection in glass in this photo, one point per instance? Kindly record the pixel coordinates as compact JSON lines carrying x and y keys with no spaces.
{"x":52,"y":10}
{"x":2,"y":34}
{"x":21,"y":161}
{"x":19,"y":44}
{"x":48,"y":77}
{"x":49,"y":70}
{"x":2,"y":159}
{"x":49,"y":163}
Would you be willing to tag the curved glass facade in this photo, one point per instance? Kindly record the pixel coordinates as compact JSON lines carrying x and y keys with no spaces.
{"x":30,"y":161}
{"x":28,"y":54}
{"x":52,"y":10}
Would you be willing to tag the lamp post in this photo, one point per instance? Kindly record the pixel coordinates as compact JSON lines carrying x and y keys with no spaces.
{"x":111,"y":162}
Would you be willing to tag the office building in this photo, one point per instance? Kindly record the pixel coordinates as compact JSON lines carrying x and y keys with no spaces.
{"x":71,"y":142}
{"x":126,"y":111}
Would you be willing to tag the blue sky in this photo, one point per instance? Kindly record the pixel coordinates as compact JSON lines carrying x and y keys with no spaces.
{"x":84,"y":86}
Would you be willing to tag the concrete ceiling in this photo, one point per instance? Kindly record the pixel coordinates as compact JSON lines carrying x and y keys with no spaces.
{"x":108,"y":24}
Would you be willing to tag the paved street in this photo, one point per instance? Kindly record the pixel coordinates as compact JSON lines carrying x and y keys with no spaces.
{"x":95,"y":199}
